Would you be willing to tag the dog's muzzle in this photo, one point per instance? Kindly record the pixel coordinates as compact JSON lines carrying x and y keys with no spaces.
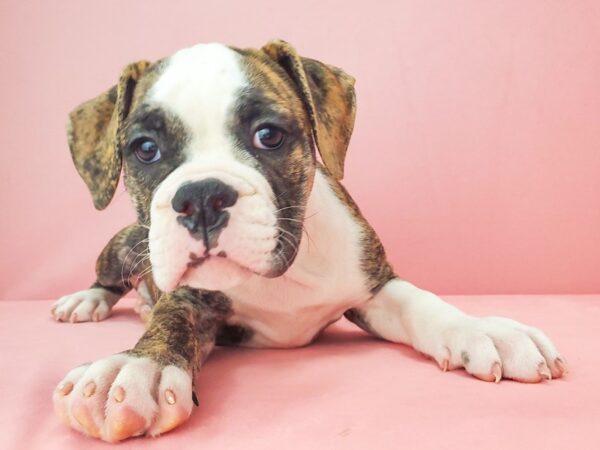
{"x":202,"y":206}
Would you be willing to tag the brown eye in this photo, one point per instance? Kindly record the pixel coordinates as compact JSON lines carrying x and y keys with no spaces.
{"x":268,"y":138}
{"x":146,"y":150}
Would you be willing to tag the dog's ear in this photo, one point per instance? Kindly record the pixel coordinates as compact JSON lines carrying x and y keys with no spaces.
{"x":328,"y":95}
{"x":93,"y":134}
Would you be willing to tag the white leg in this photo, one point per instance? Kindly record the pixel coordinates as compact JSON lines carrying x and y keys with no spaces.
{"x":488,"y":347}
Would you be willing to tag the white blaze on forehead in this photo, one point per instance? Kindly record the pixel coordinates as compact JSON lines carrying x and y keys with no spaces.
{"x":200,"y":85}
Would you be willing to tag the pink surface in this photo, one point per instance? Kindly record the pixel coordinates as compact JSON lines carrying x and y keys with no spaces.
{"x":477,"y":146}
{"x":347,"y":391}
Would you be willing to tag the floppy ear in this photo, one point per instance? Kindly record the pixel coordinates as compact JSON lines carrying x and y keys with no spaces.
{"x":93,"y":130}
{"x":328,"y":95}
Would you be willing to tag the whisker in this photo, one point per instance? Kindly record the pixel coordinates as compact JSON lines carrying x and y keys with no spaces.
{"x":290,"y":219}
{"x":289,"y":233}
{"x":145,"y":258}
{"x":289,"y":207}
{"x":294,"y":249}
{"x":127,"y":256}
{"x":145,"y":272}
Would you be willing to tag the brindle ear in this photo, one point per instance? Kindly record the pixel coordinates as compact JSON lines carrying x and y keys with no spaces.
{"x":93,"y":130}
{"x":328,"y":95}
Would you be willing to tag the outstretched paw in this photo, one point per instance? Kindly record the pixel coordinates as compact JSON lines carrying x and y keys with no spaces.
{"x":84,"y":306}
{"x":492,"y":348}
{"x":124,"y":396}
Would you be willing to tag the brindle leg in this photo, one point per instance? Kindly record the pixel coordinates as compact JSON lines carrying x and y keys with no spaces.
{"x":117,"y":269}
{"x":489,"y":348}
{"x":149,"y":389}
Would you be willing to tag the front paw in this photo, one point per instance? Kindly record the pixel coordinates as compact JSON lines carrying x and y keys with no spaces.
{"x":492,"y":348}
{"x":124,"y":396}
{"x":83,"y":306}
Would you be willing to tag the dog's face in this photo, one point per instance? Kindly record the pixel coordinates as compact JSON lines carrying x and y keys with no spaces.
{"x":218,"y":149}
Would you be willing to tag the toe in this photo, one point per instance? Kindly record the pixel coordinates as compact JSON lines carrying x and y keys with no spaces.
{"x":559,"y":367}
{"x":174,"y":400}
{"x":544,"y":345}
{"x":89,"y":394}
{"x":101,"y":312}
{"x":65,"y":306}
{"x":131,"y":408}
{"x":82,"y":413}
{"x":123,"y":423}
{"x":83,"y":312}
{"x":64,"y":393}
{"x":476,"y":352}
{"x":521,"y":359}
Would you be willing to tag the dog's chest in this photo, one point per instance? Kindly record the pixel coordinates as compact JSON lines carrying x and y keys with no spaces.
{"x":280,"y":313}
{"x":324,"y":281}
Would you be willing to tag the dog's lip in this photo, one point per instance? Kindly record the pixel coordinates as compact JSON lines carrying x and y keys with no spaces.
{"x":196,"y":261}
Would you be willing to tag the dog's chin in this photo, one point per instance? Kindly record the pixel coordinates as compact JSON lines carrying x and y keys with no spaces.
{"x":215,"y":274}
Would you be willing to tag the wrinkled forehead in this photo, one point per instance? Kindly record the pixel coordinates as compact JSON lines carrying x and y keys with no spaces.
{"x":203,"y":85}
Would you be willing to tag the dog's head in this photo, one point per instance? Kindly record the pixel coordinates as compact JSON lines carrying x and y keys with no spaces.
{"x":218,"y":149}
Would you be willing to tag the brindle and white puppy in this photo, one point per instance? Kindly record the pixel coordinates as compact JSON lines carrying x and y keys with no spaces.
{"x":251,"y":241}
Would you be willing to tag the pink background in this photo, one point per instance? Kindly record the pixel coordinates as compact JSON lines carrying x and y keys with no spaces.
{"x":476,"y":154}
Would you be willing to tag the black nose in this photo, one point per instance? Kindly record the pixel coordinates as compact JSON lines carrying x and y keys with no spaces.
{"x":201,"y":205}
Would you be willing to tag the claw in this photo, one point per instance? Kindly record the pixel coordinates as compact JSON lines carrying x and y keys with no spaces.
{"x":89,"y":389}
{"x":119,"y":394}
{"x":561,"y":365}
{"x":495,"y":375}
{"x":65,"y":388}
{"x":170,"y":397}
{"x":544,"y":371}
{"x":497,"y":372}
{"x":73,"y":318}
{"x":445,"y":364}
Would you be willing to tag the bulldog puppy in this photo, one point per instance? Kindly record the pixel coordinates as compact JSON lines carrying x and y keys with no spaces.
{"x":243,"y":237}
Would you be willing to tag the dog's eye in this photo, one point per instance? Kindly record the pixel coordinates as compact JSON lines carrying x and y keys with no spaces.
{"x":268,"y":138}
{"x":146,"y":150}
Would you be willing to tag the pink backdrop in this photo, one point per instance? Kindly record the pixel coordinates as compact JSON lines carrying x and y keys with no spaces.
{"x":477,"y":146}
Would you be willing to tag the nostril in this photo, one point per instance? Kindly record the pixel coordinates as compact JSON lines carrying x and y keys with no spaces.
{"x":181,"y":203}
{"x":186,"y":209}
{"x":217,"y":203}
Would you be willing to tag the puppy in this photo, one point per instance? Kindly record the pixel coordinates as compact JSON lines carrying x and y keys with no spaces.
{"x":243,"y":237}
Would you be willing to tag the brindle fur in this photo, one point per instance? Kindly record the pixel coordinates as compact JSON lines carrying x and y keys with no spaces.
{"x":291,"y":171}
{"x":329,"y":99}
{"x":184,"y":327}
{"x":93,"y":131}
{"x":320,"y":102}
{"x":123,"y":259}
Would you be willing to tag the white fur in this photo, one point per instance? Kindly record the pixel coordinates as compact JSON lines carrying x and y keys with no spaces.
{"x":144,"y":384}
{"x":84,"y":306}
{"x":324,"y":281}
{"x":403,"y":313}
{"x":200,"y":86}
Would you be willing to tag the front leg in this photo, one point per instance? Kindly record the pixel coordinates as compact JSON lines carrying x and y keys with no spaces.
{"x":118,"y":269}
{"x":149,"y":389}
{"x":489,"y":348}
